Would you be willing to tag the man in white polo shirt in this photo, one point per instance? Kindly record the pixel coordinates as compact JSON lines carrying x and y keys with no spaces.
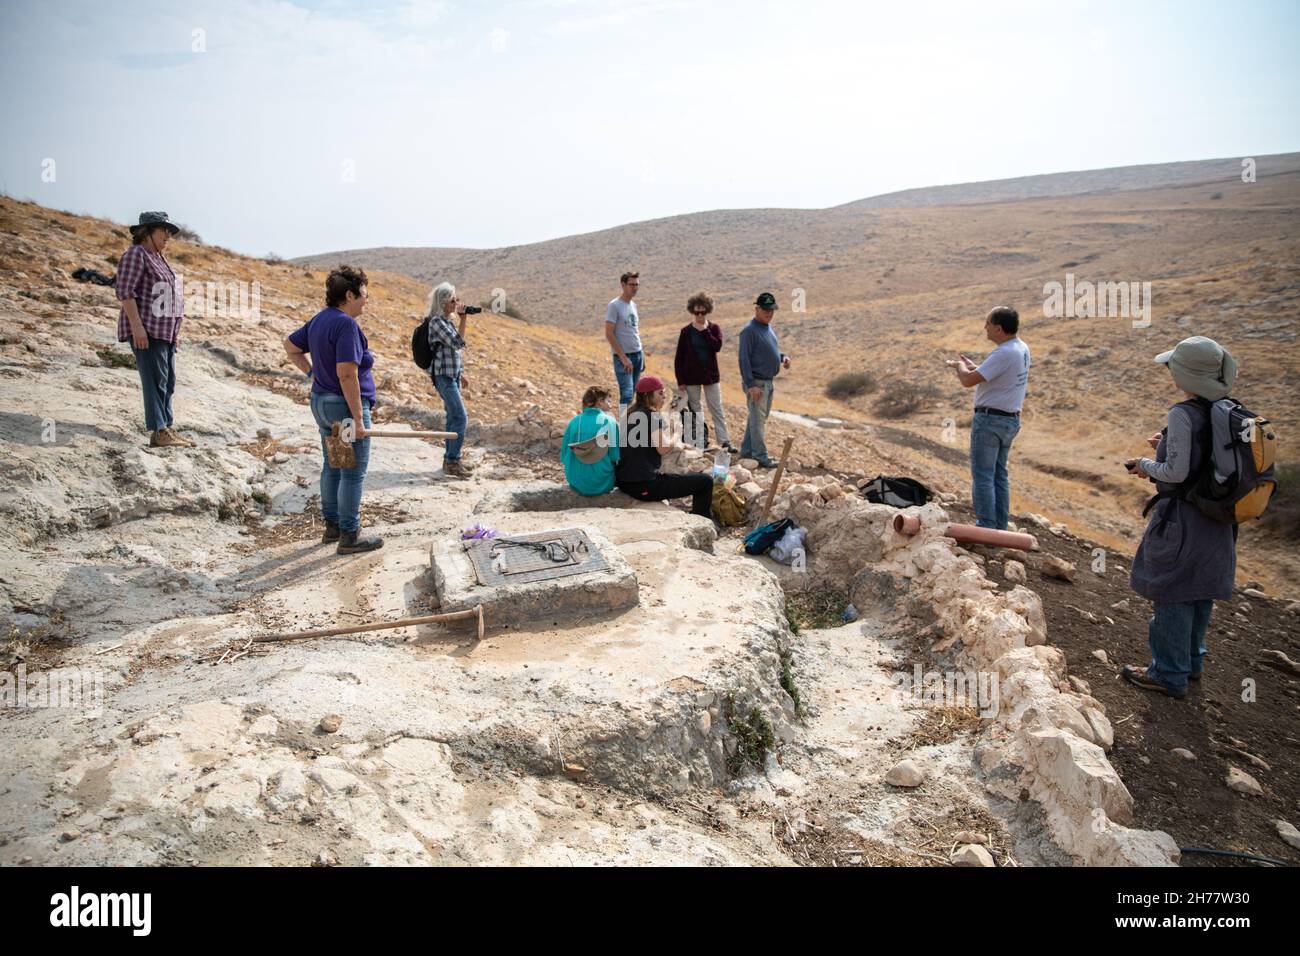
{"x":999,"y":383}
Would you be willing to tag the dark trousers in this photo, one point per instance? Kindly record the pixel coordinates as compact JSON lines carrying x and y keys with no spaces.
{"x":157,"y":368}
{"x":699,"y":487}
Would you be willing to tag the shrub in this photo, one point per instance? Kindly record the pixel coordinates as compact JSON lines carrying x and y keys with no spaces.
{"x":900,"y":398}
{"x":850,"y":384}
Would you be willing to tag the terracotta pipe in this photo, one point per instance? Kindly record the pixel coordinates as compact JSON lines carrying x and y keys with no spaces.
{"x":907,"y":524}
{"x":969,"y":533}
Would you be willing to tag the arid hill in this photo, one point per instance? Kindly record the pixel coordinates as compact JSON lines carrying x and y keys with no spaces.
{"x":893,"y":285}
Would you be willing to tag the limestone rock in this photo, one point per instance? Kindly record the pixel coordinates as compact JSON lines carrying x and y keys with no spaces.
{"x":905,"y":773}
{"x":1014,"y":572}
{"x":1289,"y":834}
{"x":1101,"y":655}
{"x":1243,"y":783}
{"x":972,"y":854}
{"x":330,"y":724}
{"x":1184,"y":753}
{"x":1059,"y":568}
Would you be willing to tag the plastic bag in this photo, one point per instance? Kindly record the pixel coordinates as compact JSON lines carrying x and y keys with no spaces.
{"x":789,"y":543}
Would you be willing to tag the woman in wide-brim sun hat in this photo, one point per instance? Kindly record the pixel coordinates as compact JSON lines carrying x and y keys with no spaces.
{"x":153,"y":309}
{"x":1186,"y":560}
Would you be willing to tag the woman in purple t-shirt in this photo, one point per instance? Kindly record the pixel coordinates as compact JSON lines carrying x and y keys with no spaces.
{"x":342,"y":390}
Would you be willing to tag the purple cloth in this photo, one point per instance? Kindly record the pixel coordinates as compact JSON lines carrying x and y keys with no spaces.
{"x":147,"y":278}
{"x":333,"y":336}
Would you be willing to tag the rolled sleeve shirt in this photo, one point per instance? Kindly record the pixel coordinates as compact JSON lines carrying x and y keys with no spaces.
{"x":147,"y":278}
{"x":447,"y":343}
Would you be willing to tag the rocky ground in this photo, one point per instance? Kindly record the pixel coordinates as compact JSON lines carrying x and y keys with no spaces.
{"x":700,"y":727}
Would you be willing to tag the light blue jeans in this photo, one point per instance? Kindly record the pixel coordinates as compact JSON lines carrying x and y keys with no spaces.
{"x":990,"y":444}
{"x":754,"y":444}
{"x":627,"y":380}
{"x":457,"y":419}
{"x":340,"y":488}
{"x":1176,"y":635}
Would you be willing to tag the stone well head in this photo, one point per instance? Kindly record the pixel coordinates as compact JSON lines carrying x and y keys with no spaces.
{"x":540,"y":577}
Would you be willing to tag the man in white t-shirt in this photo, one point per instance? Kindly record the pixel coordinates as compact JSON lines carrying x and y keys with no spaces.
{"x":1000,"y":382}
{"x":622,"y":331}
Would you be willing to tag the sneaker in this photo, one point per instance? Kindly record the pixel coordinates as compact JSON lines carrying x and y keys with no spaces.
{"x":349,"y":543}
{"x":165,"y":438}
{"x":767,"y":463}
{"x":178,"y":438}
{"x":332,"y":532}
{"x":457,"y":469}
{"x":731,"y":450}
{"x":1137,"y":676}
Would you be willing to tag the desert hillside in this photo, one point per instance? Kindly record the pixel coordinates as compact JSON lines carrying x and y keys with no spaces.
{"x":892,"y":288}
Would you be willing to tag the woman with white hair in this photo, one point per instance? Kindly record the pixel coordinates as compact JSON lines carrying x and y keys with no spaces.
{"x":448,"y":369}
{"x":1187,"y":560}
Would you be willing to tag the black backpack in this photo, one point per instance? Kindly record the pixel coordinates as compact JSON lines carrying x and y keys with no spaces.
{"x":423,"y":354}
{"x":896,"y":492}
{"x":695,"y":430}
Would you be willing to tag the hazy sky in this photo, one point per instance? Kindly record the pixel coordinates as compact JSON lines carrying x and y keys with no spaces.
{"x":312,"y":126}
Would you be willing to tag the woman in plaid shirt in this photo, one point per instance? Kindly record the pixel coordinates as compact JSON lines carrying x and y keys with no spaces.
{"x":448,"y":371}
{"x":152,"y":310}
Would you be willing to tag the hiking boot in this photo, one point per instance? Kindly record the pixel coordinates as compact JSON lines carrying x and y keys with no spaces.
{"x":178,"y":438}
{"x":767,"y":463}
{"x":331,"y":532}
{"x":1137,"y":676}
{"x":349,"y":543}
{"x":165,"y":438}
{"x":457,"y":469}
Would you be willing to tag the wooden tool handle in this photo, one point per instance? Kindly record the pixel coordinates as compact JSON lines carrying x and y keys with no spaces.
{"x":475,"y":612}
{"x":412,"y":435}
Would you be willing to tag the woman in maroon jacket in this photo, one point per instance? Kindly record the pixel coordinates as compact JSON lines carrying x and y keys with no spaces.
{"x":696,"y":366}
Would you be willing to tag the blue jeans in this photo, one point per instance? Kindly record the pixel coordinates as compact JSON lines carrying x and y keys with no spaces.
{"x":990,"y":444}
{"x":754,"y":444}
{"x":340,"y":488}
{"x":627,"y":380}
{"x":449,"y":389}
{"x":157,"y":368}
{"x":1177,"y":638}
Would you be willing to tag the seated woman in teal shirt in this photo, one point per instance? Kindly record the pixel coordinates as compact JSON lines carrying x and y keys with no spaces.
{"x":589,"y":450}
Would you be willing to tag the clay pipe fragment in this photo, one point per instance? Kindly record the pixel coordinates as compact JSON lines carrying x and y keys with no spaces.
{"x":341,"y":454}
{"x":474,"y":612}
{"x":907,"y":524}
{"x":969,"y":533}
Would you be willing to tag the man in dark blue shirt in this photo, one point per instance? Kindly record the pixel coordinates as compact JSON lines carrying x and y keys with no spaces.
{"x":761,"y":361}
